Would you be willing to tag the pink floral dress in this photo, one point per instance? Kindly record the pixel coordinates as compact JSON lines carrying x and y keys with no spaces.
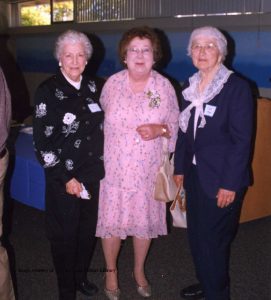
{"x":126,"y":204}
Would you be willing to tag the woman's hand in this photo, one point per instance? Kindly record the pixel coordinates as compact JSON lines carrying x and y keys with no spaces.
{"x":152,"y":131}
{"x":73,"y":187}
{"x":225,"y":197}
{"x":178,"y":179}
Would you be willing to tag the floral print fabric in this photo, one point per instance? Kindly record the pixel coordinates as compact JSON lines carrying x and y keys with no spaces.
{"x":126,"y":205}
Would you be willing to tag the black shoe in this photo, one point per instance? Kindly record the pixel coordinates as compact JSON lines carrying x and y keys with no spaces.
{"x":87,"y":288}
{"x":192,"y":292}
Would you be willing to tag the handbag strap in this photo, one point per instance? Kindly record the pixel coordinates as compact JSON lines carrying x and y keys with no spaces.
{"x":165,"y":151}
{"x":178,"y":200}
{"x":165,"y":145}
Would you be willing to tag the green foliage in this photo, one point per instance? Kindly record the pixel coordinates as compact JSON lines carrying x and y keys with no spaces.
{"x":36,"y":15}
{"x":41,"y":14}
{"x":63,"y":11}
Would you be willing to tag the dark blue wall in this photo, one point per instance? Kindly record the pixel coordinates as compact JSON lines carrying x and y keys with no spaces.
{"x":252,"y":55}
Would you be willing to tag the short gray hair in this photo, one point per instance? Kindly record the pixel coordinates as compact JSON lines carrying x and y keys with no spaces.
{"x":212,"y":32}
{"x":72,"y":36}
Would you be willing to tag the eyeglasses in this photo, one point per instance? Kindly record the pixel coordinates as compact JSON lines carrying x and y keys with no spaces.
{"x":135,"y":51}
{"x":207,"y":47}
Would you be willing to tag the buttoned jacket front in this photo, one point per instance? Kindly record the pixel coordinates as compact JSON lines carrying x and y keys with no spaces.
{"x":222,"y":148}
{"x":68,"y":129}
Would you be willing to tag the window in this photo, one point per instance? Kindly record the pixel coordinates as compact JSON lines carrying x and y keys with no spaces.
{"x":31,"y":13}
{"x":63,"y":10}
{"x":45,"y":12}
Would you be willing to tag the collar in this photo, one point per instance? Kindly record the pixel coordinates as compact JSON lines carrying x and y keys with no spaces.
{"x":191,"y":94}
{"x":76,"y":84}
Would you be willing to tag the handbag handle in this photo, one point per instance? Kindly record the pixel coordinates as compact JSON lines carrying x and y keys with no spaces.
{"x":165,"y":152}
{"x":165,"y":145}
{"x":179,"y":199}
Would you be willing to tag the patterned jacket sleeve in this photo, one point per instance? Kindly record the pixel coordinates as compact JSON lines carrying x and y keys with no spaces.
{"x":47,"y":154}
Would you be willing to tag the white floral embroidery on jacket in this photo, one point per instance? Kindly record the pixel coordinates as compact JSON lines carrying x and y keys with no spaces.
{"x":69,"y":164}
{"x":50,"y":159}
{"x":41,"y":110}
{"x":77,"y":143}
{"x":48,"y":130}
{"x":70,"y":125}
{"x":92,"y":86}
{"x":60,"y":95}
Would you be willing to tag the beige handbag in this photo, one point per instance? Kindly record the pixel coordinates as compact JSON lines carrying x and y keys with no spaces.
{"x":178,"y":209}
{"x":165,"y":188}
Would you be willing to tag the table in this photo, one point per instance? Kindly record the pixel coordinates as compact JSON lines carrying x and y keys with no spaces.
{"x":27,"y":183}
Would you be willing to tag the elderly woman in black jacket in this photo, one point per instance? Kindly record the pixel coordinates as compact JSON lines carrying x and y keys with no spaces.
{"x":68,"y":140}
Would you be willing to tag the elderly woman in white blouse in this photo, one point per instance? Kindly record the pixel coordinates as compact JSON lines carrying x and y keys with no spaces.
{"x":212,"y":160}
{"x":68,"y":139}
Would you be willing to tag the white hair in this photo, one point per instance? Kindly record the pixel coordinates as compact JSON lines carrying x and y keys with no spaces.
{"x":72,"y":36}
{"x":212,"y":32}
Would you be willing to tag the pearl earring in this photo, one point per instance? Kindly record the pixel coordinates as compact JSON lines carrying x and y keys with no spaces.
{"x":60,"y":64}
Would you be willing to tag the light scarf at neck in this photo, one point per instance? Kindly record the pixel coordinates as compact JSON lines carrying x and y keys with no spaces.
{"x":191,"y":94}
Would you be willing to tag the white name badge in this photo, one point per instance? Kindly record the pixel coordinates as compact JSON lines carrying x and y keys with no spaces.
{"x":94,"y":107}
{"x":209,"y":110}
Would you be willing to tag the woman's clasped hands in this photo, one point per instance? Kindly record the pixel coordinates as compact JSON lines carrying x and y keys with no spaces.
{"x":152,"y":131}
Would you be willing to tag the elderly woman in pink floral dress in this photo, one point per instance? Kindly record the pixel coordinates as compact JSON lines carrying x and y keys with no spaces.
{"x":140,"y":111}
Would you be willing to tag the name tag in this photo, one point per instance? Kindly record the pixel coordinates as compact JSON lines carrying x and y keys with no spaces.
{"x":94,"y":107}
{"x":209,"y":110}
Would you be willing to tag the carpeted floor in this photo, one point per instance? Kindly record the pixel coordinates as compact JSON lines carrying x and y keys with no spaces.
{"x":169,"y":266}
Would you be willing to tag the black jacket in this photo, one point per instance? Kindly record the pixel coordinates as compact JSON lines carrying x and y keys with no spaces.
{"x":68,"y":129}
